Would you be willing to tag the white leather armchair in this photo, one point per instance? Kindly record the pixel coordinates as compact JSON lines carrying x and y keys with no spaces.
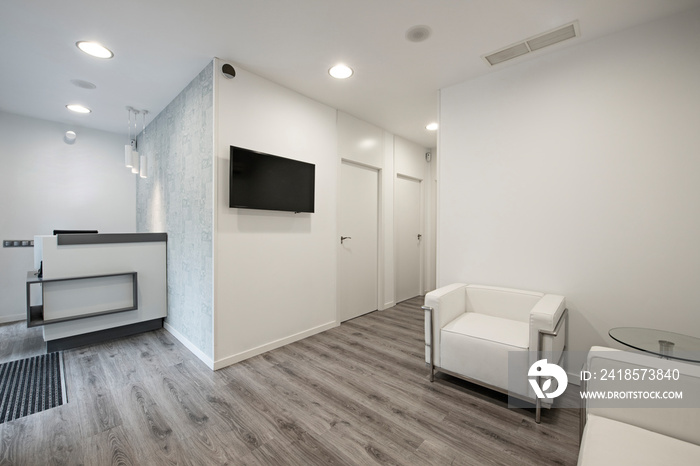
{"x":635,"y":431}
{"x":471,"y":329}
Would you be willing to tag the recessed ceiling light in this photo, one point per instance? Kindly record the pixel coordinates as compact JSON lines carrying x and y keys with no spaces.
{"x":95,"y":49}
{"x":340,"y":71}
{"x":418,"y":33}
{"x":432,"y":127}
{"x":77,"y":108}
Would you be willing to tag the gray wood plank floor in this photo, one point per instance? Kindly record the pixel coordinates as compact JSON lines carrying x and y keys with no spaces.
{"x":356,"y":394}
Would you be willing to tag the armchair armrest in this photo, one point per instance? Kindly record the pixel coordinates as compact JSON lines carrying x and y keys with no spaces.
{"x":446,"y":303}
{"x":548,"y":334}
{"x":546,"y":313}
{"x":545,"y":317}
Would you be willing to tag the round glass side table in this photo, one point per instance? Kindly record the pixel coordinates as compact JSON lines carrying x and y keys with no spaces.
{"x":668,"y":345}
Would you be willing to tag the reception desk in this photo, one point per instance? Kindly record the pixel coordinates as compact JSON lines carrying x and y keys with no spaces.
{"x":95,"y":287}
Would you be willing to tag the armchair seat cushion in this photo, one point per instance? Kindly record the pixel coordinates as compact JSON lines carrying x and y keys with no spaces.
{"x":473,"y":338}
{"x":496,"y":329}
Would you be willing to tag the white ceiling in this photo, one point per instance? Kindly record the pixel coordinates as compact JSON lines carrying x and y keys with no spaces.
{"x":161,"y":45}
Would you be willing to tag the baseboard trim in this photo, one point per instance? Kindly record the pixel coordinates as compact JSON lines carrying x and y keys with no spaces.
{"x":233,"y":359}
{"x":12,"y":318}
{"x":61,"y":344}
{"x":189,"y":345}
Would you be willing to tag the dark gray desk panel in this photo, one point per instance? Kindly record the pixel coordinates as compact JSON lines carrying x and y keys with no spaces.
{"x":107,"y":238}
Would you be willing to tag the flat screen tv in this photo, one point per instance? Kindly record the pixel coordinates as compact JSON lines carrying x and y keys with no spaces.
{"x":268,"y":182}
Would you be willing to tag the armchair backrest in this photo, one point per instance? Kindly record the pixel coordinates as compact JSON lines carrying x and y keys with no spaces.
{"x":682,"y":422}
{"x":506,"y":303}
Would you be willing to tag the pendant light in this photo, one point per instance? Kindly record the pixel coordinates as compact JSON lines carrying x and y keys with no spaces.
{"x":127,"y":148}
{"x":134,"y":153}
{"x":143,"y":169}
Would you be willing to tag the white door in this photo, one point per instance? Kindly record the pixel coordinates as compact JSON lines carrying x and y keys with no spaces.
{"x":358,"y":228}
{"x":408,"y":233}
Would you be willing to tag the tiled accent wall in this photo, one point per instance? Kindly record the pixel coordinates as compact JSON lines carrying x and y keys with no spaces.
{"x":177,"y":197}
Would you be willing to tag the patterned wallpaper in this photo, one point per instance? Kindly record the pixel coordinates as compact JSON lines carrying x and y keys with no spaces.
{"x":177,"y":197}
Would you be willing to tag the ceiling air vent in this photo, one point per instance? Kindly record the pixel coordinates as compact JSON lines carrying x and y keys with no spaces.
{"x":533,"y":43}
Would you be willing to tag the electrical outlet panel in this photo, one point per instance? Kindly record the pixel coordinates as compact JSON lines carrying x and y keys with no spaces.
{"x":17,"y":243}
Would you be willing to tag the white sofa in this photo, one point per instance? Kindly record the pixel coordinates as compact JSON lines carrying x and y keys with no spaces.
{"x":628,"y":433}
{"x":471,"y":331}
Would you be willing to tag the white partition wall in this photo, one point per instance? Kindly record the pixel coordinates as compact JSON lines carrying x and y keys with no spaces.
{"x":177,"y":198}
{"x":275,"y":272}
{"x":273,"y":275}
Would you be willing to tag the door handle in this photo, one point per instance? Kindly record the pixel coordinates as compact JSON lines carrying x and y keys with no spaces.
{"x":419,"y":236}
{"x":343,"y":238}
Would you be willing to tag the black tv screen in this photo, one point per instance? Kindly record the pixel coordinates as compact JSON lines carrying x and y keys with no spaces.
{"x":269,"y":182}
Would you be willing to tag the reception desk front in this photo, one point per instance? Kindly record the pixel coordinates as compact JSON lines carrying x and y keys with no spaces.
{"x":96,"y":287}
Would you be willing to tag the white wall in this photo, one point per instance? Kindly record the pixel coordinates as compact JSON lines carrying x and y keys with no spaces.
{"x":363,"y":143}
{"x":410,"y":161}
{"x":46,"y":184}
{"x":366,"y":144}
{"x":578,"y":173}
{"x":275,"y":272}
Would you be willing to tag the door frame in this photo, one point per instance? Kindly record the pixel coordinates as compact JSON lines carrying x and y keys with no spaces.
{"x":380,"y":233}
{"x":422,"y":227}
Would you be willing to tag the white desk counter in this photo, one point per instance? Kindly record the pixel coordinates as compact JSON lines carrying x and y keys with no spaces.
{"x":97,"y":286}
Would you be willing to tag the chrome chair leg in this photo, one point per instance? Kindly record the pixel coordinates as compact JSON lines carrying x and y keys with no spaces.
{"x":429,"y":310}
